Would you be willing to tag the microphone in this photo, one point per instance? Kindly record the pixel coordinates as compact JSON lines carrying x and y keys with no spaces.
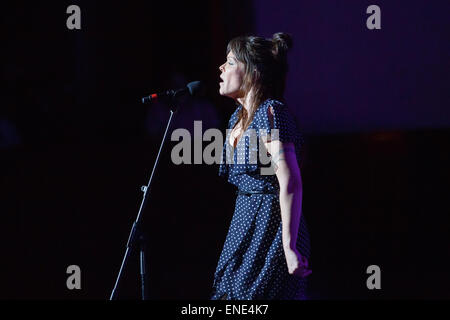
{"x":192,"y":88}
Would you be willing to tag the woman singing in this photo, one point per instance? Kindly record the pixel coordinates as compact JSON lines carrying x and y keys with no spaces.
{"x":266,"y":251}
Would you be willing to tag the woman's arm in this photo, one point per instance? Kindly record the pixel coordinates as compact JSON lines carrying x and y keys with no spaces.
{"x":290,"y":181}
{"x":287,"y":171}
{"x":289,"y":178}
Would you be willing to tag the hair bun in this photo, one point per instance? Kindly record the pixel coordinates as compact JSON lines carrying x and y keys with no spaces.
{"x":282,"y":43}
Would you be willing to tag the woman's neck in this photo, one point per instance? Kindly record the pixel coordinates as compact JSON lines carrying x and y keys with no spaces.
{"x":247,"y":101}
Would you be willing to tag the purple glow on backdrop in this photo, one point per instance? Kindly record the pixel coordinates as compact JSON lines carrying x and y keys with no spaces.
{"x":344,"y":77}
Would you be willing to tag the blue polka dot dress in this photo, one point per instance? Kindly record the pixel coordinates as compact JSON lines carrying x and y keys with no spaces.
{"x":252,"y":265}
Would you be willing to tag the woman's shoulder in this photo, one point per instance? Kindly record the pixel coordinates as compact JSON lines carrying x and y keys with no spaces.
{"x":273,"y":103}
{"x":275,"y":114}
{"x":270,"y":107}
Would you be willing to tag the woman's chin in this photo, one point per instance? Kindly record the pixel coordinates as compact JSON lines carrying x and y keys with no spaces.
{"x":228,"y":94}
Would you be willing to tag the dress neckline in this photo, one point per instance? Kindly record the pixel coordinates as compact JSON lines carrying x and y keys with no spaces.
{"x":234,"y":124}
{"x":251,"y":123}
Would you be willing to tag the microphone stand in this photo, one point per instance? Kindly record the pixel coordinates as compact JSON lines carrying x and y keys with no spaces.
{"x":136,"y":236}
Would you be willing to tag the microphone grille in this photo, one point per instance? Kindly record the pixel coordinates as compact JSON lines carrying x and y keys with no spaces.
{"x":195,"y":88}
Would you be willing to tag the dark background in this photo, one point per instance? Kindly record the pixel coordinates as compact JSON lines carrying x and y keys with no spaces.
{"x":76,"y":144}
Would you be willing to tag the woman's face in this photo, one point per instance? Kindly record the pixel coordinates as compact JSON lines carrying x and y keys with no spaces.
{"x":232,"y":77}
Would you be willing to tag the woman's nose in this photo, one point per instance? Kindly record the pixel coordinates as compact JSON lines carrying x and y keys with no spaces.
{"x":221,"y":68}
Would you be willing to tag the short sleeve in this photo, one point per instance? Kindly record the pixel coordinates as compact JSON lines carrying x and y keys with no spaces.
{"x":279,"y":122}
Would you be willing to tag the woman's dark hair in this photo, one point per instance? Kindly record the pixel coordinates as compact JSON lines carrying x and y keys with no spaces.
{"x":266,"y":67}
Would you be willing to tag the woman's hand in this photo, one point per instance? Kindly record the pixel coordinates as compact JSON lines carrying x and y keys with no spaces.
{"x":296,"y":263}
